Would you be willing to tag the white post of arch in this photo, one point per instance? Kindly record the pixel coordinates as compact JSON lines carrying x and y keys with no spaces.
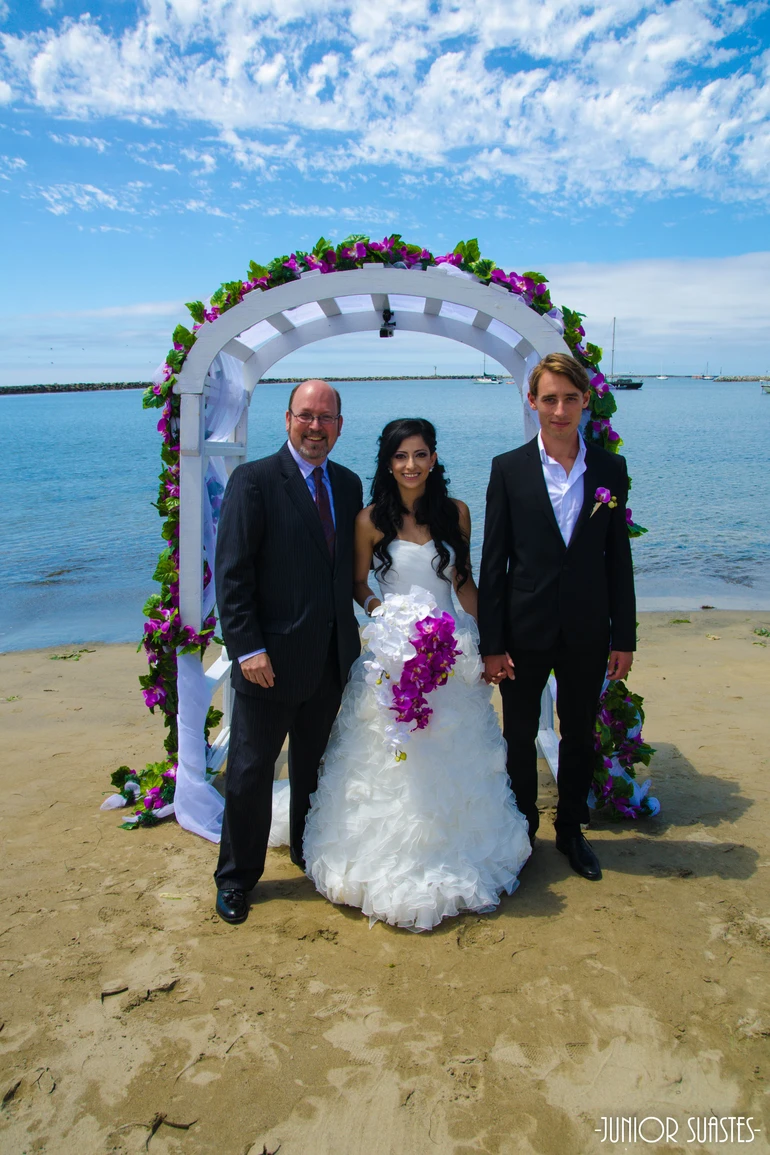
{"x":266,"y":326}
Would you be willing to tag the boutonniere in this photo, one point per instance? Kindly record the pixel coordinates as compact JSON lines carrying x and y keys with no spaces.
{"x":604,"y":497}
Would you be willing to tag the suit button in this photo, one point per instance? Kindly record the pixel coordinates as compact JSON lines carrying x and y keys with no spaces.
{"x":330,"y":624}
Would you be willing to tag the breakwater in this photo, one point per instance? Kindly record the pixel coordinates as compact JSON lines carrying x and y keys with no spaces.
{"x":81,"y":387}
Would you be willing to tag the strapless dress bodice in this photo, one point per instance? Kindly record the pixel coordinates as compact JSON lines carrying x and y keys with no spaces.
{"x":416,"y":565}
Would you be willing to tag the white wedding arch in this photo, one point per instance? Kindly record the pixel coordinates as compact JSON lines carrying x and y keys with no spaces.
{"x":220,"y":373}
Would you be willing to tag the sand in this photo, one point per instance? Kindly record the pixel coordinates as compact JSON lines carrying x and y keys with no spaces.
{"x":129,"y":1008}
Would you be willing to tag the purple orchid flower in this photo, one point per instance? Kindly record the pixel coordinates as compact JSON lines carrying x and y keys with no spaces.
{"x":602,"y":495}
{"x":154,"y":696}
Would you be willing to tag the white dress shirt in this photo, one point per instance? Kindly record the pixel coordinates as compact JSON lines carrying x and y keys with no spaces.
{"x":306,"y":469}
{"x":564,"y":489}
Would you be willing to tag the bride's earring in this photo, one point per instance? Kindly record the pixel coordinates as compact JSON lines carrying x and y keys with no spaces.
{"x":431,"y":469}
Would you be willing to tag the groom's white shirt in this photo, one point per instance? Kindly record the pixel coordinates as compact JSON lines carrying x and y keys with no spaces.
{"x":564,"y":489}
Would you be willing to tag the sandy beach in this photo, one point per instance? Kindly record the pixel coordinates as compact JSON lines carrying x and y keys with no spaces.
{"x":133,"y":1019}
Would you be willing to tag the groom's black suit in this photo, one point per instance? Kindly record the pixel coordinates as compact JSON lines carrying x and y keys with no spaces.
{"x":557,"y":607}
{"x":278,"y":589}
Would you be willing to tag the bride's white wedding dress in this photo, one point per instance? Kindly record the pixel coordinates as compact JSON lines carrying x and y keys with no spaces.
{"x":416,"y":840}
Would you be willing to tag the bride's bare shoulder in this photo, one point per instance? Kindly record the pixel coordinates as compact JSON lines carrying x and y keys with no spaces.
{"x":365,"y":527}
{"x":465,"y":514}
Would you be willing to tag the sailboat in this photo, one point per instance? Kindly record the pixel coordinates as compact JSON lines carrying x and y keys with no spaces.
{"x":620,"y":382}
{"x":487,"y":378}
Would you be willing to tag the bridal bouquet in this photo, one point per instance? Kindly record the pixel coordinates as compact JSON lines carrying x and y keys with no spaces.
{"x":414,"y":651}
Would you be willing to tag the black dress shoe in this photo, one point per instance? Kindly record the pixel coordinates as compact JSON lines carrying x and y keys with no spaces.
{"x":232,"y":905}
{"x":581,"y":857}
{"x":533,"y":821}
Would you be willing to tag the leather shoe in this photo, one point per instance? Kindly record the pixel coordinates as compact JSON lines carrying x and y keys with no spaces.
{"x":232,"y":905}
{"x":581,"y":857}
{"x":533,"y":821}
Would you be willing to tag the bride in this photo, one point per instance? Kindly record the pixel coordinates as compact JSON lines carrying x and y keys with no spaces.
{"x":414,"y":819}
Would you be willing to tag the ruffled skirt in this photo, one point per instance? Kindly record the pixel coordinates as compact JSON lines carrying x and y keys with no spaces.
{"x":414,"y":841}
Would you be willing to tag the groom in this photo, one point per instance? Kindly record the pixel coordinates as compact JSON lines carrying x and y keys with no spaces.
{"x":284,"y":576}
{"x":556,"y":592}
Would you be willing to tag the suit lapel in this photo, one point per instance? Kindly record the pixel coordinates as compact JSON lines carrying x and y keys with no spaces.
{"x":540,"y":488}
{"x":591,"y":481}
{"x":298,"y":492}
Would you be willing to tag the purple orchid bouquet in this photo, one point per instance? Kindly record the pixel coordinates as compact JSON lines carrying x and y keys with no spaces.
{"x":413,"y":650}
{"x":436,"y":654}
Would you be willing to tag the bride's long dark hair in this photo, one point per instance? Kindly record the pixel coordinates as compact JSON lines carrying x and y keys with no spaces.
{"x":435,"y":508}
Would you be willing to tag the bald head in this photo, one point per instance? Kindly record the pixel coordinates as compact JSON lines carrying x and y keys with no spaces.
{"x":313,"y":420}
{"x":315,"y":381}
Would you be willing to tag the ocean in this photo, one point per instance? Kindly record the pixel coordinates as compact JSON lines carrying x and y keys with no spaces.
{"x":82,"y":536}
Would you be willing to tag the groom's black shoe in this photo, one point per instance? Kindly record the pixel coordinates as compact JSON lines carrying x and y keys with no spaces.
{"x":533,"y":821}
{"x":581,"y":857}
{"x":232,"y":905}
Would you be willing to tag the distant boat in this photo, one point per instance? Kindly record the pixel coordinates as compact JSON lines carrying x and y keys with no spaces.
{"x":625,"y":382}
{"x":661,"y":377}
{"x":487,"y":378}
{"x":765,"y":388}
{"x":620,"y":382}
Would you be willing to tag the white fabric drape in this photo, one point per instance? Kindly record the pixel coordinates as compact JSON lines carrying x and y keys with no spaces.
{"x":198,"y":805}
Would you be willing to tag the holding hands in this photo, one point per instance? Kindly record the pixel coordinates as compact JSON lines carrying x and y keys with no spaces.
{"x":498,"y":667}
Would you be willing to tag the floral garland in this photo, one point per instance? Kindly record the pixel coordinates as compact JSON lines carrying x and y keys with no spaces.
{"x":619,"y":748}
{"x":164,"y":633}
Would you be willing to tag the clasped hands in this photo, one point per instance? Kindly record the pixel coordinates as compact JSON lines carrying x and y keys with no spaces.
{"x":498,"y":667}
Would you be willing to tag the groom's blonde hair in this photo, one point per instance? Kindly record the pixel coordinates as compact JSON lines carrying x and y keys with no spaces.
{"x":562,"y":364}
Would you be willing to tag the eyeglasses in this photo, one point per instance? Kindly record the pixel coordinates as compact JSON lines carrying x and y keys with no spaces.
{"x":322,"y":418}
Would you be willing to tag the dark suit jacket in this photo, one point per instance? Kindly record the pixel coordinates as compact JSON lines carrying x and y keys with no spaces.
{"x":277,"y":588}
{"x":532,"y":586}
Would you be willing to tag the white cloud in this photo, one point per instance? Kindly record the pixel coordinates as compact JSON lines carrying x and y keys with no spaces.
{"x":95,"y":142}
{"x":6,"y":93}
{"x":595,"y":102}
{"x":371,"y":214}
{"x":11,"y":165}
{"x":683,"y":311}
{"x":205,"y":159}
{"x":160,"y":309}
{"x":63,"y":198}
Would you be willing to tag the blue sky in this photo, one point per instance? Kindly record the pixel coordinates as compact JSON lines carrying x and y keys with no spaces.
{"x":148,"y":151}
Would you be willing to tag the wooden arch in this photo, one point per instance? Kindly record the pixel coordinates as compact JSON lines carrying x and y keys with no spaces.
{"x":266,"y":326}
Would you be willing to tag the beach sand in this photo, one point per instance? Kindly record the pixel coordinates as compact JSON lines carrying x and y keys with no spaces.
{"x":128,"y":1007}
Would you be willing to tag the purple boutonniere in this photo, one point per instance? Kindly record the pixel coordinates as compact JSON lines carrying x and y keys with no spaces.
{"x":603,"y":497}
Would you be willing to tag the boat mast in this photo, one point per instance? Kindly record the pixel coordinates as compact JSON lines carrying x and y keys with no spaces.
{"x":612,"y":361}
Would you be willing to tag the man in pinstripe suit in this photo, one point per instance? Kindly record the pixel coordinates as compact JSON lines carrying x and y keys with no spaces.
{"x":284,"y":574}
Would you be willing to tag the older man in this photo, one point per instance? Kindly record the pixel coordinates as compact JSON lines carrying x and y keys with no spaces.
{"x":284,"y":572}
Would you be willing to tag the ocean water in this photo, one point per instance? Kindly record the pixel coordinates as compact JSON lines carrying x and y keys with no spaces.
{"x":81,"y":535}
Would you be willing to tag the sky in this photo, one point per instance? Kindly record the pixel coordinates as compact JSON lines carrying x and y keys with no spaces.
{"x":149,"y":150}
